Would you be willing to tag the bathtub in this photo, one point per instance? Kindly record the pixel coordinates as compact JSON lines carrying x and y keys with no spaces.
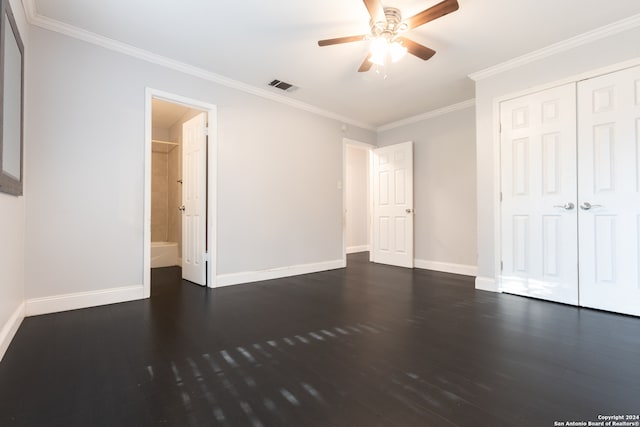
{"x":164,"y":254}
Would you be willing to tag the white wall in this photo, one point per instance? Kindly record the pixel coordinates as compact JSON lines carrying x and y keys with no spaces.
{"x":579,"y":60}
{"x":278,"y":202}
{"x":356,"y":197}
{"x":12,"y":234}
{"x":12,"y":230}
{"x":444,"y":189}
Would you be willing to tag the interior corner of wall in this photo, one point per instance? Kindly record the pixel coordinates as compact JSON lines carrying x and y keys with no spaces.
{"x":10,"y":328}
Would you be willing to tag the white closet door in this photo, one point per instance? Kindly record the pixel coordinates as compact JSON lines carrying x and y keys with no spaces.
{"x":539,"y":213}
{"x":609,"y":178}
{"x":393,"y":205}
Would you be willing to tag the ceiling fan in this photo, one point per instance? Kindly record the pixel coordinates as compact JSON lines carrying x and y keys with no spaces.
{"x":387,"y":26}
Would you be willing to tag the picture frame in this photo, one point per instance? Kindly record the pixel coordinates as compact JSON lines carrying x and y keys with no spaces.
{"x":11,"y":103}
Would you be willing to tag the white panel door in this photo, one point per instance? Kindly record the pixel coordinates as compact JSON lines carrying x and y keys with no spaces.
{"x":393,"y":205}
{"x":194,"y":199}
{"x":609,"y":191}
{"x":539,"y":212}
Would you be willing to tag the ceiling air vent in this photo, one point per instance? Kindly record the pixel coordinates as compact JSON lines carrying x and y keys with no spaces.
{"x":287,"y":87}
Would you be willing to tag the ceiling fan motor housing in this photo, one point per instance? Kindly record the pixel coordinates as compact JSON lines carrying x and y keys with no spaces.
{"x":391,"y":26}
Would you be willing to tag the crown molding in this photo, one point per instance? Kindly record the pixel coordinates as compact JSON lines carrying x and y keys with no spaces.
{"x":30,"y":11}
{"x":582,"y":39}
{"x":429,"y":115}
{"x":46,"y":23}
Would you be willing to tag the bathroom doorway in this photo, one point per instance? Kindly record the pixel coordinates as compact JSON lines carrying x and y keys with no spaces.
{"x":180,"y":167}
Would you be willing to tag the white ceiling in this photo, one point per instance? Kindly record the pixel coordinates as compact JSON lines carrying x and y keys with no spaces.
{"x":255,"y":41}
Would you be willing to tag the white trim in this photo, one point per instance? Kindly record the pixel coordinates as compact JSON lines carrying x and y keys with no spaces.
{"x":10,"y":328}
{"x":277,"y":273}
{"x":356,"y":249}
{"x":429,"y":115}
{"x":582,"y":39}
{"x":57,"y":303}
{"x":486,"y":284}
{"x":494,"y":286}
{"x":77,"y":33}
{"x":146,"y":218}
{"x":447,"y":267}
{"x":630,"y":63}
{"x":30,"y":10}
{"x":212,"y":176}
{"x":358,"y":144}
{"x":212,"y":197}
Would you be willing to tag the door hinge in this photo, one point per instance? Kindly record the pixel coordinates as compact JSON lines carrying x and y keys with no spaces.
{"x":500,"y":127}
{"x":501,"y":266}
{"x":205,"y":257}
{"x":206,"y":131}
{"x":501,"y":196}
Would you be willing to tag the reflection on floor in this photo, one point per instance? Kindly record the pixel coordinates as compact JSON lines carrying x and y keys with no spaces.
{"x":370,"y":345}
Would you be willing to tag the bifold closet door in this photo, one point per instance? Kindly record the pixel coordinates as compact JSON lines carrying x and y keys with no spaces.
{"x":609,"y":191}
{"x":538,"y":208}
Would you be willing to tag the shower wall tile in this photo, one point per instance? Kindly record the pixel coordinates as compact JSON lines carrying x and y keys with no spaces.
{"x":159,"y":197}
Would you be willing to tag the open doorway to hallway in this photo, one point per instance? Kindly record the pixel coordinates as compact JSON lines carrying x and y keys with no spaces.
{"x":357,"y":199}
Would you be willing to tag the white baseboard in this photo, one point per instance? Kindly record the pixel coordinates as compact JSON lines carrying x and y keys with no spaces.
{"x":57,"y":303}
{"x":447,"y":267}
{"x":276,"y":273}
{"x":10,"y":328}
{"x":487,"y":284}
{"x":356,"y":249}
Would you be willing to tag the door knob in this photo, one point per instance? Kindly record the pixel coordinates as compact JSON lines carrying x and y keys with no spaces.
{"x":408,"y":210}
{"x":181,"y":208}
{"x":585,"y":206}
{"x":567,"y":206}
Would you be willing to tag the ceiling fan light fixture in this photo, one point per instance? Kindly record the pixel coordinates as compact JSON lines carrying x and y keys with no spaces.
{"x":377,"y":60}
{"x":387,"y":28}
{"x":382,"y":49}
{"x":379,"y":48}
{"x":397,"y":51}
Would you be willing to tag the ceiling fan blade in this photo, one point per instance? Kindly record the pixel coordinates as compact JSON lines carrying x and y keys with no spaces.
{"x":340,"y":40}
{"x":417,"y":49}
{"x":434,"y":12}
{"x":375,"y":10}
{"x":366,"y":65}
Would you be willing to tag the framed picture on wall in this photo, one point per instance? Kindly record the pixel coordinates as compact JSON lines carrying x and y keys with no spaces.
{"x":11,"y":107}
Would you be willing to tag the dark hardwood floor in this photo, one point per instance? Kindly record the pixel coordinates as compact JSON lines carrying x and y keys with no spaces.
{"x":370,"y":345}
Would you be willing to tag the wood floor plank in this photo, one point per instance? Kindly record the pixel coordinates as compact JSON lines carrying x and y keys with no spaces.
{"x":369,"y":345}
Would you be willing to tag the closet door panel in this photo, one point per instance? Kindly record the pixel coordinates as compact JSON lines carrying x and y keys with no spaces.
{"x":609,"y":191}
{"x":538,"y":184}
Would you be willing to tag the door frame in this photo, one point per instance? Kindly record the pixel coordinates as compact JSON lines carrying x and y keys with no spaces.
{"x":496,"y":286}
{"x":369,"y":148}
{"x":212,"y":174}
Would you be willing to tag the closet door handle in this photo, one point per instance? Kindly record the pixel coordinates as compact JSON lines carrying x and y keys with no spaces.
{"x":181,"y":208}
{"x":585,"y":206}
{"x":567,"y":206}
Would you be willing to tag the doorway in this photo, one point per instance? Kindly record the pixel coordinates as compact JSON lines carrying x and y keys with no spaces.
{"x":378,"y":202}
{"x":357,"y":198}
{"x":180,"y":169}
